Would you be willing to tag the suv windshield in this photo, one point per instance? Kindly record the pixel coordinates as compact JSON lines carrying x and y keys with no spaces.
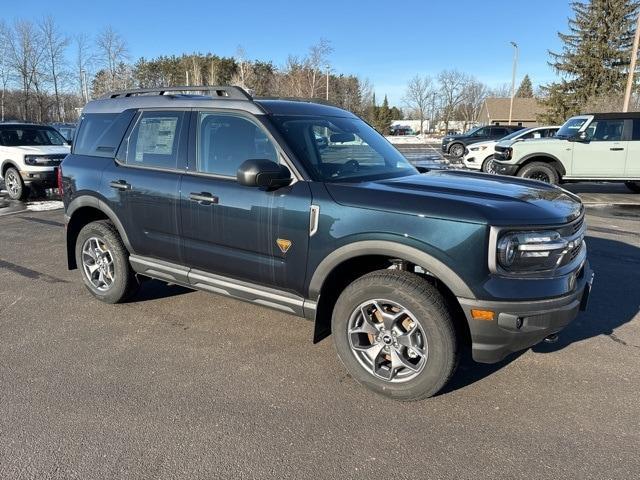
{"x":571,"y":127}
{"x":342,"y":149}
{"x":28,"y":135}
{"x":471,"y":131}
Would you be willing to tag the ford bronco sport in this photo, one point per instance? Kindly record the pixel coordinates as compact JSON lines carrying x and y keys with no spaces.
{"x":29,"y":155}
{"x":600,"y":146}
{"x":221,"y":192}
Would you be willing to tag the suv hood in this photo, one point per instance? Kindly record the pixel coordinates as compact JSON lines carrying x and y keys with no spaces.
{"x":44,"y":149}
{"x":536,"y":141}
{"x":464,"y":196}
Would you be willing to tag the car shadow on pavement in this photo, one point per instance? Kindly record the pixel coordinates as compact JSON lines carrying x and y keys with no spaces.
{"x":614,"y":301}
{"x":155,"y":289}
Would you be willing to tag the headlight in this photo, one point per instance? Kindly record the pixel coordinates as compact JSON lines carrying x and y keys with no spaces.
{"x":40,"y":161}
{"x":531,"y":251}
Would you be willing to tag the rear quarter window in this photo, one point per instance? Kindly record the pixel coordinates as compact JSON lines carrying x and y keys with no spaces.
{"x":100,"y":134}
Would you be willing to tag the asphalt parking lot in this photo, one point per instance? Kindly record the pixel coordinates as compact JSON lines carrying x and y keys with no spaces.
{"x":192,"y":385}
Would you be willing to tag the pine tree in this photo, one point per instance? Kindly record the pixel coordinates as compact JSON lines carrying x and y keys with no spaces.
{"x":525,"y":90}
{"x":595,"y":55}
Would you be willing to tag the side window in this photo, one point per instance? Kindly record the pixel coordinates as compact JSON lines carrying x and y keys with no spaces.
{"x":154,"y":141}
{"x":635,"y":135}
{"x":499,"y":132}
{"x":226,"y":141}
{"x":606,"y":130}
{"x":101,"y":133}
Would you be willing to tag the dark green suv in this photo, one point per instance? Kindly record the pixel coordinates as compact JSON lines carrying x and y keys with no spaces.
{"x":214,"y":190}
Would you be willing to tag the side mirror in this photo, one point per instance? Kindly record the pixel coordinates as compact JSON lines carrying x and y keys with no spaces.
{"x":263,"y":173}
{"x":581,"y":137}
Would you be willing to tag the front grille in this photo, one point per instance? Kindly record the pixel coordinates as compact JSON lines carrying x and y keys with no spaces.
{"x":573,"y":233}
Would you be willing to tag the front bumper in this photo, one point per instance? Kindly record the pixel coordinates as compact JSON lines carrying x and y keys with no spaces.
{"x":505,"y":168}
{"x":520,"y":325}
{"x":45,"y":178}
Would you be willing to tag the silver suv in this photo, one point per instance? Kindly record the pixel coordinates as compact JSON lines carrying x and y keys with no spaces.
{"x":600,"y":146}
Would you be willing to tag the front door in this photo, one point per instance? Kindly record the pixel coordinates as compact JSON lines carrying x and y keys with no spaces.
{"x":246,"y":233}
{"x":142,"y":187}
{"x":604,"y":154}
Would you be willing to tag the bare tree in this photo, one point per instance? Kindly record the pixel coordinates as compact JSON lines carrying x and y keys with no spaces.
{"x":315,"y":62}
{"x":84,"y":59}
{"x":26,"y":58}
{"x":55,"y":45}
{"x":112,"y":51}
{"x":474,"y":94}
{"x":451,"y":84}
{"x":501,"y":91}
{"x":5,"y":65}
{"x":417,"y":97}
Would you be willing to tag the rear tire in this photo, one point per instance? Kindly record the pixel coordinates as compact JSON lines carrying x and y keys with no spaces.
{"x":395,"y":335}
{"x":104,"y":263}
{"x":14,"y":184}
{"x":633,"y":186}
{"x":540,"y":171}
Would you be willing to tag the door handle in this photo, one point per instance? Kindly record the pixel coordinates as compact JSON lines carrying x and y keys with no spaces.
{"x":120,"y":185}
{"x":616,"y":149}
{"x":203,"y":198}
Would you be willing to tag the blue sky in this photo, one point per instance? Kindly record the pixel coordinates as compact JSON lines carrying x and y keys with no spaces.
{"x":386,"y":42}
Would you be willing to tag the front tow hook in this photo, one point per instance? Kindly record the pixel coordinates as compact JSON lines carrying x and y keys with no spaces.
{"x":553,"y":338}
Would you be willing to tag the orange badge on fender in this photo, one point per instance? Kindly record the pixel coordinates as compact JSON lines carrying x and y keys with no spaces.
{"x":283,"y":244}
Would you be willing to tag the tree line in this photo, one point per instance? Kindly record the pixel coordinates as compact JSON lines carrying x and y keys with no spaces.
{"x":47,"y":75}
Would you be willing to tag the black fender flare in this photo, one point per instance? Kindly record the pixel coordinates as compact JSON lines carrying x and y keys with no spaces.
{"x":94,"y":202}
{"x":550,"y":156}
{"x":393,"y":250}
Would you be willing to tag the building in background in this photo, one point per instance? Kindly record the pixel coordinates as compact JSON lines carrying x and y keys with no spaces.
{"x":495,"y":111}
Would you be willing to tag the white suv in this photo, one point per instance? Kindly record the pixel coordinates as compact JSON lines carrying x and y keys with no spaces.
{"x":479,"y":156}
{"x":29,"y":155}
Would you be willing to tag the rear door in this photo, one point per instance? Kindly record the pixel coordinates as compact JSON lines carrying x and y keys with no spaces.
{"x":633,"y":151}
{"x":604,"y":154}
{"x":498,"y":132}
{"x":247,"y":233}
{"x":142,"y":186}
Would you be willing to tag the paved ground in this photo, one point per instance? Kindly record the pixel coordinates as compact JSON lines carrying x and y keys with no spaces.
{"x":181,"y":384}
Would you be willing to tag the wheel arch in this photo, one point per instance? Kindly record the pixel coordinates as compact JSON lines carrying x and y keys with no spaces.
{"x":82,"y":211}
{"x":6,"y":164}
{"x":351,"y":261}
{"x":543,"y":158}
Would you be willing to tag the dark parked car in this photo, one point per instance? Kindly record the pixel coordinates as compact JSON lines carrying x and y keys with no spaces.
{"x":67,"y":130}
{"x":233,"y":195}
{"x":455,"y":144}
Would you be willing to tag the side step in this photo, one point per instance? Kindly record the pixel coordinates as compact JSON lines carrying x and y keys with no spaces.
{"x":201,"y":280}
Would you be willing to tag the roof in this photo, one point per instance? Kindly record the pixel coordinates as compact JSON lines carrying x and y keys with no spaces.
{"x":234,"y":98}
{"x":523,"y":109}
{"x":614,"y":115}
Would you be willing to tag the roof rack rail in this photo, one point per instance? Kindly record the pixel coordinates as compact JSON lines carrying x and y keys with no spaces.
{"x":230,"y":92}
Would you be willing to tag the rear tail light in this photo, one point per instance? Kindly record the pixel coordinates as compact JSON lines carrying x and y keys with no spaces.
{"x":59,"y":180}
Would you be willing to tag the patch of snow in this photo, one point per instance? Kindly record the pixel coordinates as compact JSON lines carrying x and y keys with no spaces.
{"x":44,"y":205}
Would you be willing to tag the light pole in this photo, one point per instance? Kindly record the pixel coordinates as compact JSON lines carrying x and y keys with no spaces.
{"x":632,"y":68}
{"x":327,"y":67}
{"x":513,"y":79}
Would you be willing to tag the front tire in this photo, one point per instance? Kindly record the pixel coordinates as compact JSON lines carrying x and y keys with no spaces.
{"x":633,"y":186}
{"x":487,"y":165}
{"x":540,"y":171}
{"x":15,"y":186}
{"x":395,"y":335}
{"x":104,"y":263}
{"x":457,"y":150}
